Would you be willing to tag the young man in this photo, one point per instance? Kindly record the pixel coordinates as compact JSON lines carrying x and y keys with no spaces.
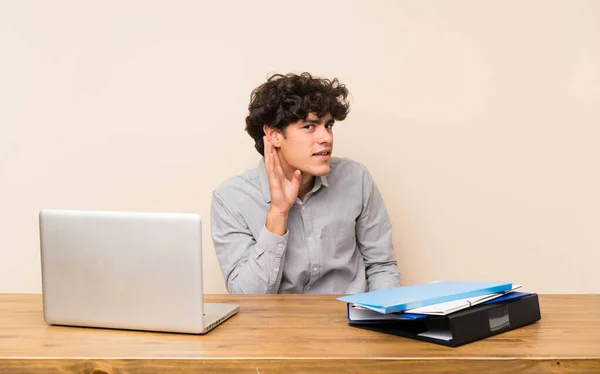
{"x":302,"y":221}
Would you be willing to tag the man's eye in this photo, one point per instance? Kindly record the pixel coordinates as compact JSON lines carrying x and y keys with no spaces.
{"x":308,"y":127}
{"x":329,"y":125}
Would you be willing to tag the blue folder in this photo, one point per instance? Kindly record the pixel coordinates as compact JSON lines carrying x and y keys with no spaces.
{"x":375,"y":317}
{"x":399,"y":299}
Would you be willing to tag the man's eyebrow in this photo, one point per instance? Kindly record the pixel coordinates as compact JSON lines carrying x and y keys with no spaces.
{"x":318,"y":121}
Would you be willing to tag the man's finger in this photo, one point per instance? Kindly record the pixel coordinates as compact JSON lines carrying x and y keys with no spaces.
{"x":276,"y":163}
{"x":272,"y":172}
{"x":275,"y":160}
{"x":268,"y":155}
{"x":297,"y":178}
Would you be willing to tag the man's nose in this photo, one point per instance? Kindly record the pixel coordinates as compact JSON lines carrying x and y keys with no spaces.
{"x":325,"y":135}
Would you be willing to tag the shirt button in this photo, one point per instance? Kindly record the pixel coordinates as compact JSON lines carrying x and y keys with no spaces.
{"x":303,"y":207}
{"x":276,"y":270}
{"x":315,"y":269}
{"x":308,"y":287}
{"x":310,"y":239}
{"x":280,"y":245}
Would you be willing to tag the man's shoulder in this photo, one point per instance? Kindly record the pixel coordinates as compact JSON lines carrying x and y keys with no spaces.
{"x":347,"y":166}
{"x":244,"y":183}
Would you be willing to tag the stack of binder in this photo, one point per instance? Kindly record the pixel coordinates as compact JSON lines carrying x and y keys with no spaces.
{"x":446,"y":313}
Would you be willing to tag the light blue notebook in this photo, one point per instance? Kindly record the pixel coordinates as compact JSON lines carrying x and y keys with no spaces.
{"x":399,"y":299}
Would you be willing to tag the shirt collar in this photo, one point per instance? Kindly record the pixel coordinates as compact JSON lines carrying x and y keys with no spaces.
{"x":264,"y":181}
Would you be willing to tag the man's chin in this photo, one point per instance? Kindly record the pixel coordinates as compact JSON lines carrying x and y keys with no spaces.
{"x":320,"y":170}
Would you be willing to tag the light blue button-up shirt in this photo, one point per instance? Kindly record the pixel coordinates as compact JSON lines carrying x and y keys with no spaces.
{"x":338,"y":239}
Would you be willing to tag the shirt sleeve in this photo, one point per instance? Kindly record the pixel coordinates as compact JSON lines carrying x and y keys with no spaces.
{"x":374,"y":239}
{"x":250,"y":265}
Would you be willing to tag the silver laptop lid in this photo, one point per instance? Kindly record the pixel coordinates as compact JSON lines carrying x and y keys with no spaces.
{"x":127,"y":270}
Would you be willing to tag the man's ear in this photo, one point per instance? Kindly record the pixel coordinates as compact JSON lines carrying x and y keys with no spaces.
{"x":274,"y":135}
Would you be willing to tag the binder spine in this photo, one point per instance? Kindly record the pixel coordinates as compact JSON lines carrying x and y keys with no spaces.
{"x":495,"y":319}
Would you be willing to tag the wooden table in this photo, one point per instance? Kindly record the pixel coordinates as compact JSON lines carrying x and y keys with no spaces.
{"x":296,"y":334}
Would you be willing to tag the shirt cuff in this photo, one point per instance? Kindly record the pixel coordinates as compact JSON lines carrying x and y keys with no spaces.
{"x":272,"y":243}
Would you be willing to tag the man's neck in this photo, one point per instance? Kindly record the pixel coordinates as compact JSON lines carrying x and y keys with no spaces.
{"x":306,"y":184}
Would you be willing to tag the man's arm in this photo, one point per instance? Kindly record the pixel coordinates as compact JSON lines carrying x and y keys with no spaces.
{"x":374,"y":238}
{"x":254,"y":265}
{"x":250,"y":265}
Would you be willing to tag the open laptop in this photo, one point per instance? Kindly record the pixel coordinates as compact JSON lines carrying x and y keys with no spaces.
{"x":125,"y":270}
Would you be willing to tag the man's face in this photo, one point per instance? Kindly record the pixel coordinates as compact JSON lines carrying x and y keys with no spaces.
{"x":308,"y":144}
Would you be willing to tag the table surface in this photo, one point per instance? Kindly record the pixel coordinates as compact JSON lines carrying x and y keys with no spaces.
{"x":296,"y":333}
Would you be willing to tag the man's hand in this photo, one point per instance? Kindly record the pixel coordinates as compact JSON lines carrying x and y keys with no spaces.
{"x":283,"y":191}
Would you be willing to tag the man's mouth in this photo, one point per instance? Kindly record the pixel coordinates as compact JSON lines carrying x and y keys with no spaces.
{"x":323,"y":153}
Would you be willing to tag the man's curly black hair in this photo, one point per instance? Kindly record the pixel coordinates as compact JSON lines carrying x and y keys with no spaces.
{"x":285,"y":99}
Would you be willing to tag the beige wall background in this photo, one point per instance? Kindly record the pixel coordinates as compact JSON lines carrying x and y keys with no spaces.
{"x":478,"y":119}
